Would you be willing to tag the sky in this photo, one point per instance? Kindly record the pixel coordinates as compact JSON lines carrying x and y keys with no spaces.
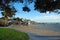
{"x":35,"y":15}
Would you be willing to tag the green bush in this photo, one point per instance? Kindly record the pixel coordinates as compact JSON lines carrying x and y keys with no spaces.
{"x":11,"y":34}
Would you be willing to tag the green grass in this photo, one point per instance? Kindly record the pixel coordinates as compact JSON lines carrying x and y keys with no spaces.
{"x":11,"y":34}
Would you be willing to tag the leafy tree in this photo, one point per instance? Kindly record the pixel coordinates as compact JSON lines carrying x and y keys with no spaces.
{"x":8,"y":12}
{"x":40,"y":5}
{"x":25,"y":8}
{"x":47,"y":5}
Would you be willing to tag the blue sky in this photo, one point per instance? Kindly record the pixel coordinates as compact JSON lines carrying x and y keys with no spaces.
{"x":35,"y":15}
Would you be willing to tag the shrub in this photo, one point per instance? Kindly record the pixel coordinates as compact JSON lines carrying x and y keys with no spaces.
{"x":11,"y":34}
{"x":3,"y":23}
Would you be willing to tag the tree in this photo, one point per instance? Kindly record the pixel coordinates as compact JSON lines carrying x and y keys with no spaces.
{"x":8,"y":12}
{"x":40,"y":5}
{"x":25,"y":8}
{"x":47,"y":5}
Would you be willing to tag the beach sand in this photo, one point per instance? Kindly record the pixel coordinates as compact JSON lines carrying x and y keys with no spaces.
{"x":37,"y":31}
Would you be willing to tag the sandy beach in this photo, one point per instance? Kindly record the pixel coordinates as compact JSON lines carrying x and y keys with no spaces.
{"x":37,"y":31}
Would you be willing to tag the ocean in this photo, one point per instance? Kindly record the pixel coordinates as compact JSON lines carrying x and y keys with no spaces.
{"x":51,"y":27}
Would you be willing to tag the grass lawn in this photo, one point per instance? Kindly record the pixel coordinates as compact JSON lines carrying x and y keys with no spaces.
{"x":11,"y":34}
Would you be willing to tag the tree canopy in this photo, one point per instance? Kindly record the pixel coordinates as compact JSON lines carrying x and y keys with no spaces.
{"x":40,"y":5}
{"x":47,"y":5}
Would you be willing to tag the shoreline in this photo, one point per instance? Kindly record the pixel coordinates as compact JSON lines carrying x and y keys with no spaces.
{"x":38,"y":31}
{"x":34,"y":30}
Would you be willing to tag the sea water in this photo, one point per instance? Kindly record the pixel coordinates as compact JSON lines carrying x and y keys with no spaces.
{"x":51,"y":27}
